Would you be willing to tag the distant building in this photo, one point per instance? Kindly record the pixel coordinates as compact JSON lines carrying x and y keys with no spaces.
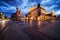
{"x":17,"y":15}
{"x":39,"y":13}
{"x":58,"y":17}
{"x":13,"y":16}
{"x":2,"y":16}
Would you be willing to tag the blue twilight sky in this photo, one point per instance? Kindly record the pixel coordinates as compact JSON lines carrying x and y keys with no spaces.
{"x":9,"y":6}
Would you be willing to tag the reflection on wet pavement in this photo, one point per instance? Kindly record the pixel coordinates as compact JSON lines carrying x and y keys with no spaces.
{"x":50,"y":28}
{"x":35,"y":29}
{"x":3,"y":24}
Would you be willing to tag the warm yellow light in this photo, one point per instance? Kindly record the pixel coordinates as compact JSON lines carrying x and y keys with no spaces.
{"x":41,"y":17}
{"x":3,"y":23}
{"x":31,"y":18}
{"x":39,"y":23}
{"x":53,"y":21}
{"x":22,"y":19}
{"x":19,"y":15}
{"x":38,"y":18}
{"x":26,"y":17}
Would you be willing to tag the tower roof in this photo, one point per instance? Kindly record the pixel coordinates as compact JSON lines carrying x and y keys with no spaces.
{"x":16,"y":7}
{"x":38,"y":5}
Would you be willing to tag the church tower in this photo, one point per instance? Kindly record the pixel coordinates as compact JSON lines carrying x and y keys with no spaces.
{"x":38,"y":5}
{"x":20,"y":13}
{"x":39,"y":9}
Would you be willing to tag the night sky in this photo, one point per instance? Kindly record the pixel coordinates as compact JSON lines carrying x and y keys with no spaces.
{"x":9,"y":6}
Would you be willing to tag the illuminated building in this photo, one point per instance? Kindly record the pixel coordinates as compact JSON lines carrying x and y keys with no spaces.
{"x":17,"y":15}
{"x":2,"y":16}
{"x":39,"y":13}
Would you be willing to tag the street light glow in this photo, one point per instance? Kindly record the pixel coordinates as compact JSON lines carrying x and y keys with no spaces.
{"x":3,"y":22}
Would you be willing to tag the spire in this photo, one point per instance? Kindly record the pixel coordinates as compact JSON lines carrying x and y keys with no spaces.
{"x":38,"y":5}
{"x":16,"y":8}
{"x":39,"y":9}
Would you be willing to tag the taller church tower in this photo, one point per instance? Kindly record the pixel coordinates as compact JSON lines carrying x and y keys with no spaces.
{"x":39,"y":9}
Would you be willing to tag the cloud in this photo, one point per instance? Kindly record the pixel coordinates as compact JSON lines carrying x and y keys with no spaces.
{"x":49,"y":9}
{"x":44,"y":2}
{"x":9,"y":7}
{"x":5,"y":3}
{"x":57,"y":12}
{"x":51,"y":5}
{"x":25,"y":6}
{"x":24,"y":2}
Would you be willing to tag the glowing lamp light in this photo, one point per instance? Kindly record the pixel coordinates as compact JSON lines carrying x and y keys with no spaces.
{"x":18,"y":15}
{"x":38,"y":18}
{"x":3,"y":23}
{"x":39,"y":24}
{"x":27,"y":18}
{"x":31,"y":18}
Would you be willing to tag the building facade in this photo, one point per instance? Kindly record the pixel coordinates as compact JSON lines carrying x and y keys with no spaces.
{"x":17,"y":15}
{"x":39,"y":13}
{"x":2,"y":16}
